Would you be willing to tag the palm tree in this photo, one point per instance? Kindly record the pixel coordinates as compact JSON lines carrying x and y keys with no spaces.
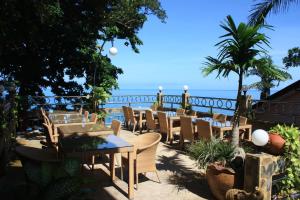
{"x":269,"y":74}
{"x":238,"y":48}
{"x":262,"y":9}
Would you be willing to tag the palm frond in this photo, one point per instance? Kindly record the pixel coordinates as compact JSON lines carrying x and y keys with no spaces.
{"x":261,"y":10}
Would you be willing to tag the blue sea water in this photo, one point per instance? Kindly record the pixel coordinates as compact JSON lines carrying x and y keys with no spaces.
{"x":230,"y":94}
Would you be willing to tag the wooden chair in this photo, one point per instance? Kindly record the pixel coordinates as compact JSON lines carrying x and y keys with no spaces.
{"x":187,"y":131}
{"x":204,"y":130}
{"x":193,"y":113}
{"x":150,"y":121}
{"x":116,"y":126}
{"x":134,"y":119}
{"x":164,"y":125}
{"x":219,"y":118}
{"x":180,"y":111}
{"x":144,"y":160}
{"x":126,"y":116}
{"x":94,"y":118}
{"x":86,"y":115}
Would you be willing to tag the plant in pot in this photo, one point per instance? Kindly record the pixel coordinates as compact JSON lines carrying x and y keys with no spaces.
{"x":224,"y":168}
{"x":290,"y":185}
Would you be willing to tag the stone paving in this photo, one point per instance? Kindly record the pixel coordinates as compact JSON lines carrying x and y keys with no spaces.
{"x":180,"y":178}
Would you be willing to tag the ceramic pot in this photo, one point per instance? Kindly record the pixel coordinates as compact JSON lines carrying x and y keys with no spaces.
{"x":220,"y":179}
{"x":276,"y":144}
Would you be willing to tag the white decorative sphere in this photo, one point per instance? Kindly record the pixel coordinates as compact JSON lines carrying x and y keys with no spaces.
{"x":160,"y":87}
{"x":260,"y":137}
{"x":113,"y":51}
{"x":185,"y":87}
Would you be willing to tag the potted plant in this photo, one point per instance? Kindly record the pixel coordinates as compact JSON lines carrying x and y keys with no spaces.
{"x":276,"y":141}
{"x":223,"y":171}
{"x":289,"y":188}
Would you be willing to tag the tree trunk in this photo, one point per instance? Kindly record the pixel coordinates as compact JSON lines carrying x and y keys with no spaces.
{"x":236,"y":117}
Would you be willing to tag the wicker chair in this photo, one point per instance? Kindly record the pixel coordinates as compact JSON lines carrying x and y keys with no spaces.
{"x":126,"y":116}
{"x":144,"y":161}
{"x":133,"y":119}
{"x":180,"y":111}
{"x":94,"y":118}
{"x":164,"y":125}
{"x":86,"y":115}
{"x":187,"y":131}
{"x":204,"y":130}
{"x":150,"y":121}
{"x":116,"y":126}
{"x":219,"y":118}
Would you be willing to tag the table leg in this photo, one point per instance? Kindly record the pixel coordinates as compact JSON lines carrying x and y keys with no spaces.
{"x":221,"y":134}
{"x":112,"y":166}
{"x":140,"y":121}
{"x":130,"y":176}
{"x":170,"y":131}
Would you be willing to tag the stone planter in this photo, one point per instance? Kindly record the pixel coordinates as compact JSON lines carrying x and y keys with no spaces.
{"x":220,"y":179}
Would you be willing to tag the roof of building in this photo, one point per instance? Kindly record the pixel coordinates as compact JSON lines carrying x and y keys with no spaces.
{"x":291,"y":87}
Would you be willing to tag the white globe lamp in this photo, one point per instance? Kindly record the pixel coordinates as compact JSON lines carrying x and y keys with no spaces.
{"x":260,"y":137}
{"x":160,"y":88}
{"x":185,"y":88}
{"x":113,"y":51}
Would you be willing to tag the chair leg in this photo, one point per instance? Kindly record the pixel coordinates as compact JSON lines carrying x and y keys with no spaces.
{"x":137,"y":181}
{"x":157,"y":176}
{"x":133,"y":129}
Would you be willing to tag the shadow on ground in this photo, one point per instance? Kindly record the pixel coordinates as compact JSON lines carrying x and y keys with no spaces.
{"x":183,"y":176}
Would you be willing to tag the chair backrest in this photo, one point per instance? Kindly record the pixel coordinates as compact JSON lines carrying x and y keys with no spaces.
{"x":186,"y":128}
{"x":204,"y":129}
{"x":193,"y":113}
{"x":150,"y":120}
{"x":146,"y":152}
{"x":163,"y":122}
{"x":126,"y":114}
{"x":50,"y":133}
{"x":219,"y":118}
{"x":80,"y":111}
{"x":154,"y":107}
{"x":94,"y":118}
{"x":243,"y":121}
{"x":180,"y":111}
{"x":116,"y":126}
{"x":86,"y":115}
{"x":131,"y":115}
{"x":43,"y":111}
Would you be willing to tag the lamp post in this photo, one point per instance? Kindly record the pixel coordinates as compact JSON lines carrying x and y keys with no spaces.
{"x":185,"y":97}
{"x":245,"y":89}
{"x":160,"y":96}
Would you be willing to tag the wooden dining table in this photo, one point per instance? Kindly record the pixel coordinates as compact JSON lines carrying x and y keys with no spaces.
{"x":104,"y":144}
{"x":83,"y":129}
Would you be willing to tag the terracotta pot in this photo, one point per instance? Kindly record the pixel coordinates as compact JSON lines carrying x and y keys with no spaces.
{"x":220,"y":179}
{"x":276,"y":144}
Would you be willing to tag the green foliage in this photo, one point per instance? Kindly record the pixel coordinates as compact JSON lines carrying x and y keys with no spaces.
{"x":293,"y":58}
{"x":291,"y":181}
{"x":270,"y":76}
{"x":53,"y":43}
{"x":207,"y":152}
{"x":237,"y":50}
{"x":54,"y":180}
{"x":8,"y":121}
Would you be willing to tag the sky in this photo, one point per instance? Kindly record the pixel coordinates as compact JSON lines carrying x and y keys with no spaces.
{"x":173,"y":53}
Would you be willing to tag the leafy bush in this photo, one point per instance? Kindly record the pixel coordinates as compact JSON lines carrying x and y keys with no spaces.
{"x":206,"y":152}
{"x":291,"y":182}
